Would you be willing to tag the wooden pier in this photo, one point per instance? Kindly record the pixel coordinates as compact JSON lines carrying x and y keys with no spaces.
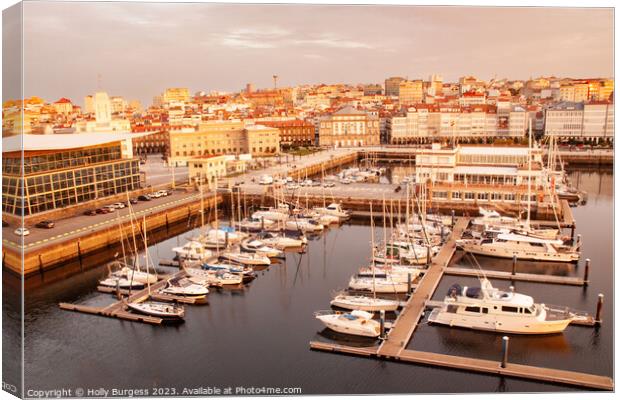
{"x":394,"y":346}
{"x":407,"y":320}
{"x":118,"y":309}
{"x":517,"y":276}
{"x":549,"y":375}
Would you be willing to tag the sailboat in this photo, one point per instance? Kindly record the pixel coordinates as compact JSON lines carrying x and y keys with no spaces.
{"x":155,"y":308}
{"x":245,"y":258}
{"x":256,"y":246}
{"x":490,"y":309}
{"x":182,"y":286}
{"x":281,"y":241}
{"x":192,"y":250}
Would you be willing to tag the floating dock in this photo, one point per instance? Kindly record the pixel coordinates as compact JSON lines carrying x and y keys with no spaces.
{"x":517,"y":276}
{"x":394,"y":346}
{"x":118,"y":309}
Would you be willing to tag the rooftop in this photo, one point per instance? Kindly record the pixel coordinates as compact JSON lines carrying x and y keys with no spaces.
{"x":61,"y":141}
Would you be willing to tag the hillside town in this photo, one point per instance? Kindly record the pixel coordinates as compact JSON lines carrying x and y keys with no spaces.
{"x":400,"y":112}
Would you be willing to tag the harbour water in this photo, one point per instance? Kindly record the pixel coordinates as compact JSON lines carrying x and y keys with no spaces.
{"x":258,"y":336}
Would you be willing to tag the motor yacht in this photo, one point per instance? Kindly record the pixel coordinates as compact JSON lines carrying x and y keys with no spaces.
{"x":490,"y":309}
{"x":357,"y":322}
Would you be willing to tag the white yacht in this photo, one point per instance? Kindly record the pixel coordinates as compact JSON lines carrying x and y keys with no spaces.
{"x":334,"y":209}
{"x":185,"y":287}
{"x":259,"y":247}
{"x":213,"y":278}
{"x":487,"y":308}
{"x":158,"y":309}
{"x":136,"y":276}
{"x":304,"y":225}
{"x":324,"y":219}
{"x":220,"y":238}
{"x":403,"y":251}
{"x":507,"y":245}
{"x":281,"y":241}
{"x":120,"y":282}
{"x":491,"y":219}
{"x":254,"y":224}
{"x":364,"y":303}
{"x":389,"y":284}
{"x":359,"y":323}
{"x":278,"y":214}
{"x":390,"y":270}
{"x":192,"y":250}
{"x":245,"y":258}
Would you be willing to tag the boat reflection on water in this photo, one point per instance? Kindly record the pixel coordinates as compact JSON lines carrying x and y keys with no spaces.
{"x":348,"y":340}
{"x":464,"y":260}
{"x":477,"y":343}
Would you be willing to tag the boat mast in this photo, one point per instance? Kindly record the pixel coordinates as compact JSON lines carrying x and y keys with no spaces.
{"x":133,"y":235}
{"x":372,"y":244}
{"x":529,"y":174}
{"x":146,"y":255}
{"x":202,"y":206}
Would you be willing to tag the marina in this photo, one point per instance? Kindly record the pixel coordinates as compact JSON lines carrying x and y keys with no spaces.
{"x":302,"y":269}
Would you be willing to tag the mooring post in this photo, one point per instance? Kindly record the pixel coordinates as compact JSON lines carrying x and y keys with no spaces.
{"x":572,"y":232}
{"x":382,"y":322}
{"x":428,"y":256}
{"x":408,"y":284}
{"x":40,"y":264}
{"x":118,"y":289}
{"x":514,"y":264}
{"x":225,"y":239}
{"x":599,"y":308}
{"x":505,"y":341}
{"x":579,"y":240}
{"x":452,"y":219}
{"x":442,"y":233}
{"x":80,"y":254}
{"x":586,"y":272}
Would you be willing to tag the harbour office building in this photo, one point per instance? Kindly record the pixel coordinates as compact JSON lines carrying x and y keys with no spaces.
{"x":65,"y":169}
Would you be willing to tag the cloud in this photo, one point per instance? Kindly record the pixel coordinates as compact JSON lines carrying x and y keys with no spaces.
{"x":275,"y":37}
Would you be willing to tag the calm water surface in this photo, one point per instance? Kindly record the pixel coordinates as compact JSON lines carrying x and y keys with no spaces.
{"x":259,"y":336}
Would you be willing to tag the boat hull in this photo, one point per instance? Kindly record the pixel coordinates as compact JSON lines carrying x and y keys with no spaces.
{"x":521,"y":254}
{"x":518,"y":326}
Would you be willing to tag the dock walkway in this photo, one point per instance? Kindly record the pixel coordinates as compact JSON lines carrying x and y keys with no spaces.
{"x":407,"y":320}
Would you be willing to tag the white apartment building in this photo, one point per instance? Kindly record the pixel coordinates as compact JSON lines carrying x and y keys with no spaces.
{"x":424,"y":123}
{"x":594,"y":121}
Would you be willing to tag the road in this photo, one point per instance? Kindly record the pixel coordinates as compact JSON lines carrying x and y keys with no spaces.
{"x":76,"y":225}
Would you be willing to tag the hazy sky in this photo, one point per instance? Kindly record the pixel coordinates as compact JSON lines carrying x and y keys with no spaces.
{"x":139,"y":49}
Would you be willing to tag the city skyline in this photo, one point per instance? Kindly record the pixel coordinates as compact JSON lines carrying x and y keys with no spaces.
{"x":222,"y":47}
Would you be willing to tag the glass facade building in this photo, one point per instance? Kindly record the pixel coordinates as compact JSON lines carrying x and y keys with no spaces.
{"x":53,"y":179}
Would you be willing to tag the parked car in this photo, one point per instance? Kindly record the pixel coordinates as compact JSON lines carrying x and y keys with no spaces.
{"x":162,"y":193}
{"x":133,"y":200}
{"x":103,"y":210}
{"x":21,"y":231}
{"x":46,"y":224}
{"x":315,"y":183}
{"x":118,"y":205}
{"x":154,"y":195}
{"x":265,"y":180}
{"x":144,"y":197}
{"x":169,"y":192}
{"x":329,"y":184}
{"x":90,"y":212}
